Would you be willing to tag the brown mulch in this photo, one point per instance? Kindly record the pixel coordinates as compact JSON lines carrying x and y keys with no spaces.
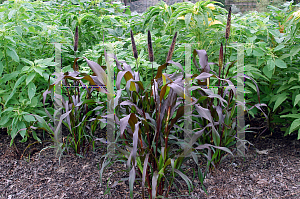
{"x":271,"y":169}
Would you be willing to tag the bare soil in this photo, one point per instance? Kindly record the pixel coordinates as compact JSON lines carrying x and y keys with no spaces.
{"x":271,"y":169}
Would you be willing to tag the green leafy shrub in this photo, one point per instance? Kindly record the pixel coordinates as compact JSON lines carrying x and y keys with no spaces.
{"x":271,"y":57}
{"x":25,"y":32}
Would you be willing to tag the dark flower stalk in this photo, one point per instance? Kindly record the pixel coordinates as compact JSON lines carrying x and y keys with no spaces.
{"x":220,"y":60}
{"x":76,"y":46}
{"x":150,"y":49}
{"x":228,"y":24}
{"x":227,"y":33}
{"x":170,"y":53}
{"x":135,"y":54}
{"x":76,"y":39}
{"x":151,"y":58}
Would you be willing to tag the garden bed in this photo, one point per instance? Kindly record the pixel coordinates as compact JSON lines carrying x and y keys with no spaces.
{"x":264,"y":174}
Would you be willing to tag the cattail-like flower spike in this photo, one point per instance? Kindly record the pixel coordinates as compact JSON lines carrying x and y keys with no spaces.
{"x":227,"y":33}
{"x":76,"y":39}
{"x":150,"y":49}
{"x":220,"y":66}
{"x":170,"y":53}
{"x":228,"y":24}
{"x":135,"y":54}
{"x":220,"y":59}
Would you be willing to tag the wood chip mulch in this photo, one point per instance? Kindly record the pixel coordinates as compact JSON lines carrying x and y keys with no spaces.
{"x":271,"y":169}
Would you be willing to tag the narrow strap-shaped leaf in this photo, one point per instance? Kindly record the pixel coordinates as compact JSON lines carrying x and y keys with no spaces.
{"x":127,"y":67}
{"x":176,"y":64}
{"x":123,"y":123}
{"x":126,"y":74}
{"x":203,"y":60}
{"x":178,"y":89}
{"x":131,"y":180}
{"x":204,"y":113}
{"x":129,"y":103}
{"x":206,"y":146}
{"x":118,"y":63}
{"x":154,"y":184}
{"x":98,"y":70}
{"x":144,"y":172}
{"x":186,"y":179}
{"x":159,"y":70}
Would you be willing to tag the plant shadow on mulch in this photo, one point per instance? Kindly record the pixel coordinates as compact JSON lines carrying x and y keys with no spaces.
{"x":271,"y":169}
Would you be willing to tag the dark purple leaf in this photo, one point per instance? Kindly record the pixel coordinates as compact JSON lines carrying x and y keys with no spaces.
{"x":98,"y":70}
{"x":126,"y":74}
{"x":176,"y":64}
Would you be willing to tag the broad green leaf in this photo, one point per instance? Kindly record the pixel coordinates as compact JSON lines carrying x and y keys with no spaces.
{"x":25,"y":68}
{"x":257,"y":52}
{"x":21,"y":125}
{"x":249,"y":51}
{"x":1,"y":68}
{"x":275,"y":33}
{"x":295,"y":124}
{"x":279,"y":47}
{"x":188,"y":19}
{"x":271,"y":65}
{"x":284,"y":56}
{"x":283,"y":87}
{"x":252,"y":39}
{"x":29,"y":78}
{"x":267,"y":72}
{"x":34,"y":102}
{"x":295,"y":50}
{"x":27,"y":61}
{"x":279,"y":100}
{"x":45,"y":62}
{"x":11,"y":14}
{"x":12,"y":53}
{"x":4,"y":120}
{"x":19,"y":81}
{"x":29,"y":118}
{"x":35,"y":136}
{"x":295,"y":87}
{"x":39,"y":71}
{"x":32,"y":29}
{"x":280,"y":63}
{"x":297,"y":99}
{"x":291,"y":116}
{"x":279,"y":40}
{"x":19,"y":30}
{"x":10,"y":39}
